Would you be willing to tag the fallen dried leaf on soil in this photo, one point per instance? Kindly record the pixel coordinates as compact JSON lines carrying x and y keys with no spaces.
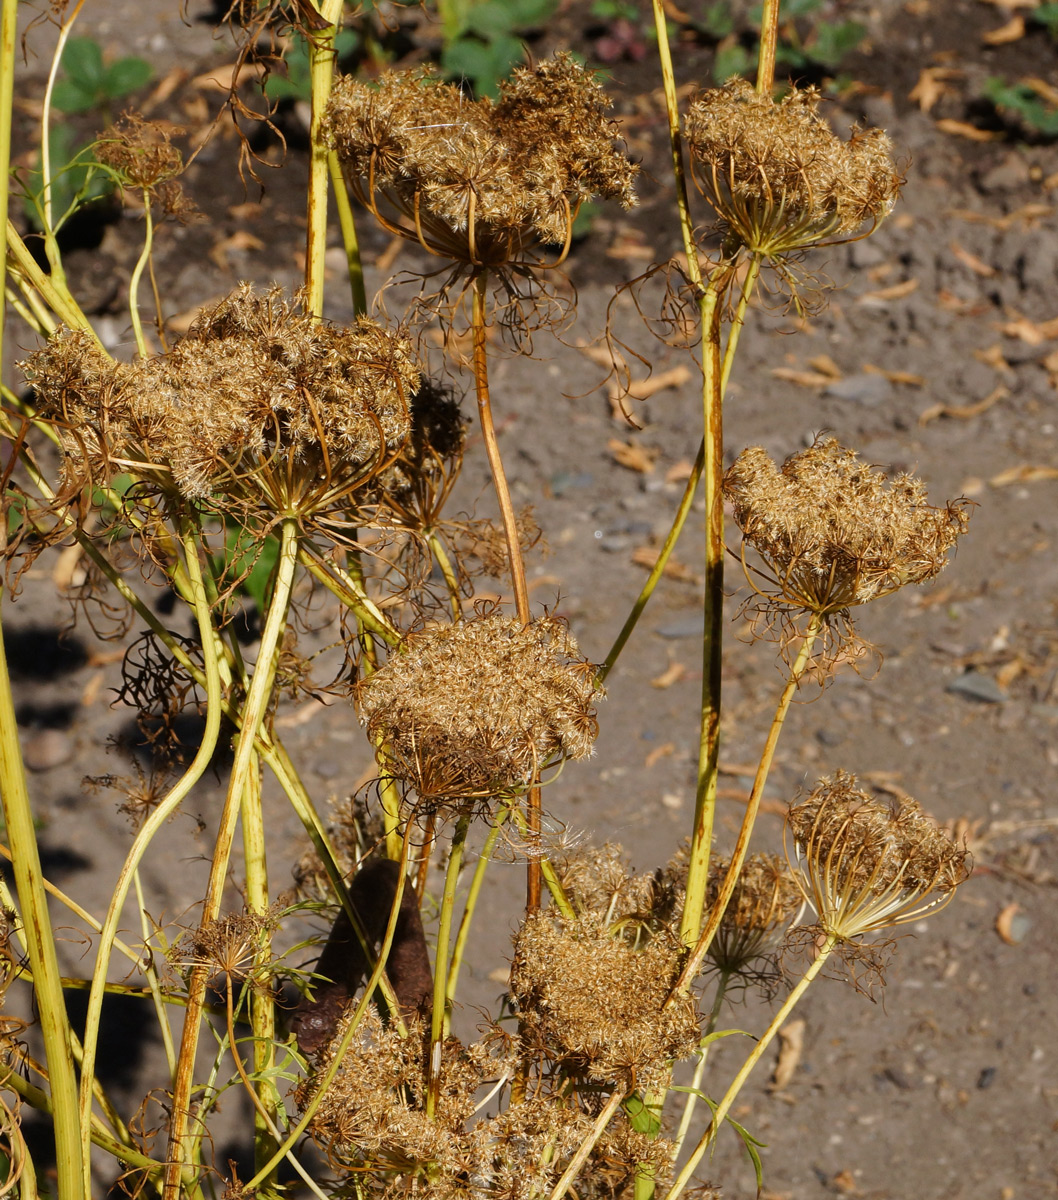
{"x":931,"y":85}
{"x":908,"y":378}
{"x":897,"y":292}
{"x":673,"y":673}
{"x":1026,"y":473}
{"x":963,"y":412}
{"x":977,"y":265}
{"x":1005,"y":923}
{"x":1012,"y":31}
{"x":647,"y":556}
{"x":791,"y":1045}
{"x":658,"y":753}
{"x":965,"y":130}
{"x":635,"y":458}
{"x":239,"y":240}
{"x":805,"y":379}
{"x":1033,"y":333}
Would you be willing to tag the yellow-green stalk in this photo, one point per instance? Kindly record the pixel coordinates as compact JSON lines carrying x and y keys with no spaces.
{"x":321,"y":68}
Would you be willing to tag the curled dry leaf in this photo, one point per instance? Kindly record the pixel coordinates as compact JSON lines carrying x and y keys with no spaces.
{"x":1026,"y":473}
{"x":966,"y":130}
{"x":1005,"y":924}
{"x":673,"y":673}
{"x":791,"y":1044}
{"x":963,"y":412}
{"x":632,"y":456}
{"x":1012,"y":31}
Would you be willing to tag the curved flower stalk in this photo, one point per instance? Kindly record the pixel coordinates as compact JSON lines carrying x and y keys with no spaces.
{"x":779,"y":179}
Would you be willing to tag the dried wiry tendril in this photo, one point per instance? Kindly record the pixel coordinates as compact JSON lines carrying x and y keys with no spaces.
{"x":259,"y":405}
{"x":779,"y":178}
{"x":865,"y":864}
{"x":478,"y":181}
{"x":473,"y":710}
{"x":598,"y":1004}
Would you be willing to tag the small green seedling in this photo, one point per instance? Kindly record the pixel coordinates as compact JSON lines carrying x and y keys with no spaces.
{"x":1024,"y":103}
{"x":487,"y":46}
{"x":91,"y":84}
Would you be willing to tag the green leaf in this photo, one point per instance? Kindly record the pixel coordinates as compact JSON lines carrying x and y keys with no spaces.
{"x":126,"y":75}
{"x":491,"y":20}
{"x":718,"y":21}
{"x":483,"y":63}
{"x":82,"y":60}
{"x":525,"y":14}
{"x":1020,"y":101}
{"x":70,"y":97}
{"x":830,"y":43}
{"x":751,"y":1144}
{"x":731,"y":60}
{"x":642,"y":1118}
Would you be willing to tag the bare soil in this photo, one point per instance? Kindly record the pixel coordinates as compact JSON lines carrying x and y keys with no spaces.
{"x":927,"y":356}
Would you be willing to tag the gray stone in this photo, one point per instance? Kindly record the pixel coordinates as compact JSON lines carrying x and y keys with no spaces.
{"x":690,"y":626}
{"x":866,"y":389}
{"x":977,"y":686}
{"x":46,"y":749}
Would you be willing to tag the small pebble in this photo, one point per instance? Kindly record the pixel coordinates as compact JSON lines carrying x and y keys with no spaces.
{"x":986,"y":1078}
{"x":866,"y":389}
{"x":46,"y":749}
{"x":684,"y":627}
{"x":977,"y":686}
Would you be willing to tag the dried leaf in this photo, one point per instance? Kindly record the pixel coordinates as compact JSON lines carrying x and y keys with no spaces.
{"x":963,"y":412}
{"x":1027,"y":215}
{"x":907,"y":378}
{"x":1004,"y":923}
{"x":977,"y":265}
{"x":227,"y":77}
{"x":931,"y":86}
{"x":791,"y":1044}
{"x":1043,"y":89}
{"x":993,"y":357}
{"x":241,"y":239}
{"x":1023,"y":474}
{"x":1011,"y":671}
{"x":658,"y":753}
{"x":1012,"y":31}
{"x":897,"y":292}
{"x":643,"y":389}
{"x":647,"y":556}
{"x":1033,"y":333}
{"x":92,"y":689}
{"x":966,"y":130}
{"x":825,"y":365}
{"x":806,"y":379}
{"x":673,"y":673}
{"x":679,"y":471}
{"x":632,"y":456}
{"x":181,"y":322}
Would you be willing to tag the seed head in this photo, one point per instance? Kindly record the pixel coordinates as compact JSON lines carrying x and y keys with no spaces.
{"x":779,"y":178}
{"x":834,"y":533}
{"x":258,"y":405}
{"x":596,"y":1003}
{"x":474,"y":180}
{"x":473,"y":710}
{"x":865,"y":864}
{"x":766,"y":900}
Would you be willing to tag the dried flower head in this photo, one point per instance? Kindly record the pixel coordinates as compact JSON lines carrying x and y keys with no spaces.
{"x":834,"y":533}
{"x":229,"y":945}
{"x":141,"y":151}
{"x":374,"y":1111}
{"x":258,"y":406}
{"x":766,"y":900}
{"x":474,"y":710}
{"x":598,"y":1004}
{"x":599,"y":881}
{"x":779,"y":179}
{"x":865,"y":864}
{"x":473,"y":180}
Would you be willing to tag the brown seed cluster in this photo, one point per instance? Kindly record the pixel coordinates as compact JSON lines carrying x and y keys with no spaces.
{"x":474,"y":180}
{"x":142,"y":154}
{"x":598,"y":881}
{"x":834,"y":533}
{"x":474,"y":710}
{"x":598,"y":1004}
{"x":865,"y":864}
{"x":257,"y":404}
{"x":779,"y":179}
{"x":766,"y":899}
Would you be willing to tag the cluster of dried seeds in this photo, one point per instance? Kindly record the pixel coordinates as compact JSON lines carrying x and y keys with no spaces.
{"x":473,"y":710}
{"x":258,"y":404}
{"x":474,"y":180}
{"x":778,"y":177}
{"x":766,"y":899}
{"x":865,"y":864}
{"x":834,"y":533}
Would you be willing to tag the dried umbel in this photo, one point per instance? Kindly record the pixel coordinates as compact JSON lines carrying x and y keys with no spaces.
{"x":834,"y":533}
{"x":779,"y":179}
{"x":374,"y":1112}
{"x":598,"y":881}
{"x":474,"y":710}
{"x":766,"y":900}
{"x":258,"y":407}
{"x":142,"y":154}
{"x":592,"y":1001}
{"x":865,"y":864}
{"x":477,"y":181}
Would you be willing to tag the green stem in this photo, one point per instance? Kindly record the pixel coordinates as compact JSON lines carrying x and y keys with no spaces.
{"x":351,"y":593}
{"x":710,"y":311}
{"x":738,"y":856}
{"x":137,"y":274}
{"x":724,"y":1107}
{"x":258,"y":698}
{"x":699,"y":1068}
{"x":53,"y":290}
{"x":154,"y":822}
{"x":327,"y":1078}
{"x":73,"y":1173}
{"x":468,"y":912}
{"x":442,"y":559}
{"x":8,"y":37}
{"x":321,"y":70}
{"x":153,"y":983}
{"x":347,"y":222}
{"x":441,"y":1013}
